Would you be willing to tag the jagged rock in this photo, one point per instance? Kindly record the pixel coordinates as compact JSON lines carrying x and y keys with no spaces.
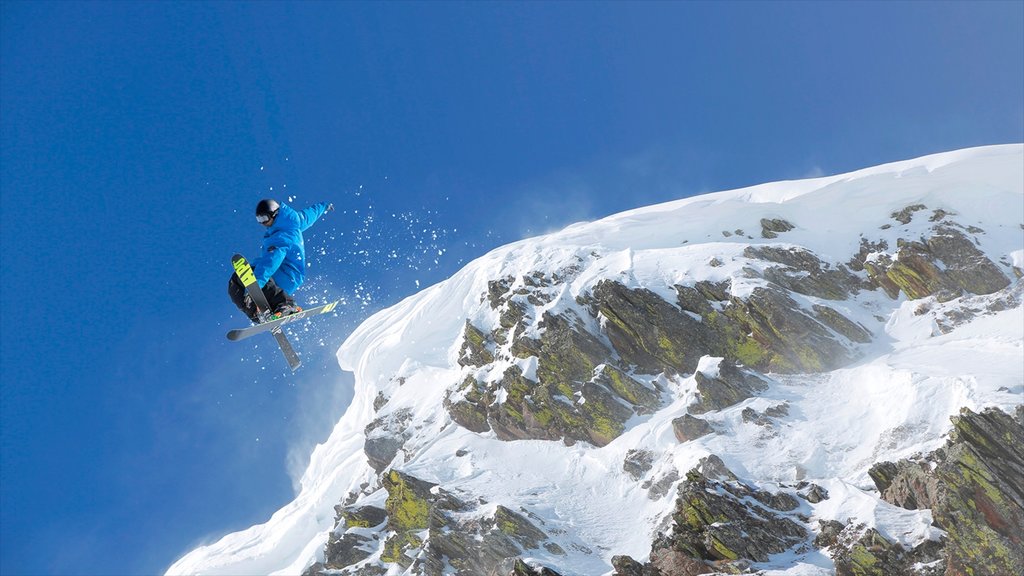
{"x":688,"y":427}
{"x":803,"y":272}
{"x":568,"y":353}
{"x":408,"y":508}
{"x":811,"y":492}
{"x":497,"y":291}
{"x":766,"y":331}
{"x":716,"y":521}
{"x":521,"y":568}
{"x":721,"y":524}
{"x":471,"y":411}
{"x":731,"y":385}
{"x":627,"y":566}
{"x":871,"y":555}
{"x":906,"y":484}
{"x":657,"y":489}
{"x":907,"y":214}
{"x":647,"y":331}
{"x":385,"y":436}
{"x":638,"y":463}
{"x":952,"y":315}
{"x":643,"y":398}
{"x":577,"y":396}
{"x":828,"y":533}
{"x":975,"y":489}
{"x":867,"y":248}
{"x":773,"y":333}
{"x":946,"y":264}
{"x":480,"y":546}
{"x":475,"y":347}
{"x":770,"y":228}
{"x":981,"y":487}
{"x":841,"y":324}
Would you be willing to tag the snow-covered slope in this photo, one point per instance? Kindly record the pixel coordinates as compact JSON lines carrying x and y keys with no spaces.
{"x":893,"y":401}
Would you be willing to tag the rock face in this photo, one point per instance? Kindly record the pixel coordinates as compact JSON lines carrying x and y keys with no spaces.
{"x":975,"y":489}
{"x":946,"y":264}
{"x":433,"y":532}
{"x":720,"y":525}
{"x":981,"y":496}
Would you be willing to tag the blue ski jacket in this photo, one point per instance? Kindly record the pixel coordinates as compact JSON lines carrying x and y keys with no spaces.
{"x":283,"y":257}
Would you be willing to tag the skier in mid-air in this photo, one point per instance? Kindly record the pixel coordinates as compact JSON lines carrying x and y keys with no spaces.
{"x":281,"y":266}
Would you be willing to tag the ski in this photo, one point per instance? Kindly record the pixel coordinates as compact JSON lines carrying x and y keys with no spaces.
{"x":244,"y":272}
{"x":276,"y":325}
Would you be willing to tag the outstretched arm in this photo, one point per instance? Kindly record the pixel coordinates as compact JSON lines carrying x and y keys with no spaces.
{"x":310,"y":215}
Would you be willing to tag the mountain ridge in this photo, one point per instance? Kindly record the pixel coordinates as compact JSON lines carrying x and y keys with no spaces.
{"x":622,"y":338}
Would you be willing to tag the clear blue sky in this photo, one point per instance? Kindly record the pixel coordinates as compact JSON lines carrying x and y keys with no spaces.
{"x":138,"y":136}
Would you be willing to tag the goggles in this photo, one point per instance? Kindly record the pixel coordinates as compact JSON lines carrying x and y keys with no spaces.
{"x":264,"y":218}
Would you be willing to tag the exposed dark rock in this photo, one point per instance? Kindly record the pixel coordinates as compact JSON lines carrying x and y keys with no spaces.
{"x":576,"y":397}
{"x":952,"y":315}
{"x":803,"y":272}
{"x":688,"y":427}
{"x":946,"y":264}
{"x":773,"y":333}
{"x":627,"y":566}
{"x":475,"y":347}
{"x":906,"y":484}
{"x":981,"y":493}
{"x":521,"y":568}
{"x":721,"y":525}
{"x":828,"y":533}
{"x":471,"y":411}
{"x":568,"y":353}
{"x":907,"y":214}
{"x":657,"y":489}
{"x":975,"y":489}
{"x":867,"y":248}
{"x":730,"y":386}
{"x":811,"y":492}
{"x":647,"y":331}
{"x":770,"y":228}
{"x":766,"y":331}
{"x":379,"y":401}
{"x":871,"y":555}
{"x":385,"y":436}
{"x":638,"y":463}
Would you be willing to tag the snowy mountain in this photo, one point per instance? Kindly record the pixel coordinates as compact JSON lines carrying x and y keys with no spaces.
{"x":807,"y":377}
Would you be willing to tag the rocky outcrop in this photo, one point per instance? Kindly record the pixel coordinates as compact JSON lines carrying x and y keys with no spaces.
{"x":435,"y":533}
{"x":385,"y":437}
{"x":946,"y":264}
{"x":578,"y":394}
{"x":767,"y":331}
{"x":803,"y":272}
{"x":720,"y":524}
{"x":688,"y":427}
{"x":863,"y":551}
{"x":725,"y":386}
{"x":981,"y":493}
{"x":772,"y":227}
{"x":975,"y":489}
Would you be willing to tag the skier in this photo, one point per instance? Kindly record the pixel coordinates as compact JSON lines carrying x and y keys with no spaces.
{"x":281,"y":267}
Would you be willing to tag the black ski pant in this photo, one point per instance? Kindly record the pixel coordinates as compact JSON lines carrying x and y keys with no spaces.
{"x":276,"y":297}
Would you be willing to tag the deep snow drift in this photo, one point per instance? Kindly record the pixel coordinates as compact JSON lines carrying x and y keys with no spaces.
{"x":893,"y":403}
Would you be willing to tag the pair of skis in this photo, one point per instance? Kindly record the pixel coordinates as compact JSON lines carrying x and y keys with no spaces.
{"x":244,"y":272}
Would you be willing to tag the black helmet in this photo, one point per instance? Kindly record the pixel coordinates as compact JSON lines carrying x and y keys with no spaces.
{"x":266,"y":210}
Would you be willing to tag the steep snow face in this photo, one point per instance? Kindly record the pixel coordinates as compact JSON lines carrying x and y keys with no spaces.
{"x":893,"y":403}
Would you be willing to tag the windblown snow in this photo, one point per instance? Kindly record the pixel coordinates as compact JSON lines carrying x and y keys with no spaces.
{"x":893,"y":403}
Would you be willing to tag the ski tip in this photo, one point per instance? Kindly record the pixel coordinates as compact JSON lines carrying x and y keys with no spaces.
{"x":237,"y":256}
{"x":234,"y":334}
